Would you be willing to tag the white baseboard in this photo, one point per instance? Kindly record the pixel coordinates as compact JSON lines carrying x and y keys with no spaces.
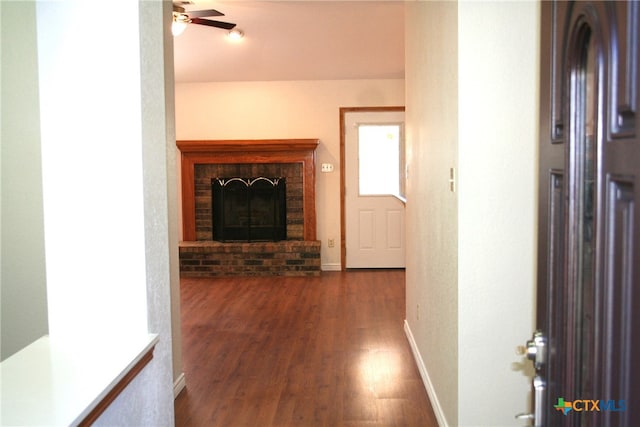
{"x":178,"y":385}
{"x":331,"y":267}
{"x":435,"y":403}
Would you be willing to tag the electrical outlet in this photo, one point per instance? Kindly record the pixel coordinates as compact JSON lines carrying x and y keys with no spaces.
{"x":326,"y":167}
{"x":331,"y":243}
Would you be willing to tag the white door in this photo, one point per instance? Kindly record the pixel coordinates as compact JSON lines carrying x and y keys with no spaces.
{"x":374,"y":189}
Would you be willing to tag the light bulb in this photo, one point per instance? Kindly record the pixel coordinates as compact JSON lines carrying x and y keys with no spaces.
{"x":179,"y":23}
{"x":235,"y":34}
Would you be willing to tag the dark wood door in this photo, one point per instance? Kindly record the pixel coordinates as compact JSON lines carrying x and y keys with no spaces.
{"x":589,"y":218}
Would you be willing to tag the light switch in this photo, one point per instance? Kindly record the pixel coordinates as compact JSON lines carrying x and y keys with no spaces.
{"x":452,"y":180}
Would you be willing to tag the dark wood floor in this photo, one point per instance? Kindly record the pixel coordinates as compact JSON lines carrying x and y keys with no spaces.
{"x":326,"y":351}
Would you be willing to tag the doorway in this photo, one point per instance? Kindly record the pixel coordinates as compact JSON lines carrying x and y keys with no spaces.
{"x":372,"y":187}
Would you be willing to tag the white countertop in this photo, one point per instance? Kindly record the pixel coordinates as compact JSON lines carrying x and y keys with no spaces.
{"x":53,"y":383}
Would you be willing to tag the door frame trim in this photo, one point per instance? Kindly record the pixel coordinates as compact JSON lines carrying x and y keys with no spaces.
{"x":343,"y":220}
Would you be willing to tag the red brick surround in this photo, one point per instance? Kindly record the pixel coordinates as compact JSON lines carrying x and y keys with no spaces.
{"x":286,"y":258}
{"x":291,"y":171}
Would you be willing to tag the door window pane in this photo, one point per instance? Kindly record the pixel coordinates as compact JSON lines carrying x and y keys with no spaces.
{"x":380,"y":160}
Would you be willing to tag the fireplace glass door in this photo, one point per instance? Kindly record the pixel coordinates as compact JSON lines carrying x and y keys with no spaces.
{"x":249,"y":209}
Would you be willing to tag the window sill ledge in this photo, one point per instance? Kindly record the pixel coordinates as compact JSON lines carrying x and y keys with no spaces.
{"x":55,"y":383}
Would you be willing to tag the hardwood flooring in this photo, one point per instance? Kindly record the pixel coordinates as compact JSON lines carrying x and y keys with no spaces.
{"x":299,"y":351}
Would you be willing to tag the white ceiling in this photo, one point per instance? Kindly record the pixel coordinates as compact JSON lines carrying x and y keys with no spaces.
{"x":294,"y":40}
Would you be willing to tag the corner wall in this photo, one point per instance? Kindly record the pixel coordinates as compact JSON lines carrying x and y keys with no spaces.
{"x":498,"y":115}
{"x":472,"y":73}
{"x":90,"y":105}
{"x":148,"y":400}
{"x":432,"y":209}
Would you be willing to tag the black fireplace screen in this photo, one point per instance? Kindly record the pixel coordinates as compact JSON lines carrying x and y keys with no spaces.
{"x":249,"y":209}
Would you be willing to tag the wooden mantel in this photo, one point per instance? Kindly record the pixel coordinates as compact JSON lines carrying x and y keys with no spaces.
{"x":247,"y":151}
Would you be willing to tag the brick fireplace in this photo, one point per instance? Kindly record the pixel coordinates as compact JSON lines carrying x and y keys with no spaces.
{"x":204,"y":160}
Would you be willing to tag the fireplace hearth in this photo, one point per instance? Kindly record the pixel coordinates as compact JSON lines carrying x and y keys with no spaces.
{"x":249,"y":209}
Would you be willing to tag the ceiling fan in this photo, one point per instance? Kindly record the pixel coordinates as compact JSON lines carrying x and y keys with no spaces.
{"x":182,"y":17}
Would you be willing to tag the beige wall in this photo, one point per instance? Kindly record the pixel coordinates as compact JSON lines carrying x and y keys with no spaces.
{"x":472,"y":72}
{"x":432,"y":135}
{"x":293,"y":109}
{"x":498,"y":116}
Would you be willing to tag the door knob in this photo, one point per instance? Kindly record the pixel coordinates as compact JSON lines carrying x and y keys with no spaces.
{"x":535,"y":349}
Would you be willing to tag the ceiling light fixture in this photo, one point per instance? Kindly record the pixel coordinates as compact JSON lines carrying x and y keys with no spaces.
{"x":179,"y":24}
{"x":235,"y":34}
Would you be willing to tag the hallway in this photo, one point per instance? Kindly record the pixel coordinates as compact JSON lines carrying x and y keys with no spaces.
{"x":292,"y":351}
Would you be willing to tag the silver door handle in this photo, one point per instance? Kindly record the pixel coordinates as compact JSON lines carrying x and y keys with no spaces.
{"x":525,"y":416}
{"x":540,"y":391}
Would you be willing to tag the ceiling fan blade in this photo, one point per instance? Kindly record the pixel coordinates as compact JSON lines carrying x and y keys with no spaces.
{"x":203,"y":13}
{"x":210,"y":23}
